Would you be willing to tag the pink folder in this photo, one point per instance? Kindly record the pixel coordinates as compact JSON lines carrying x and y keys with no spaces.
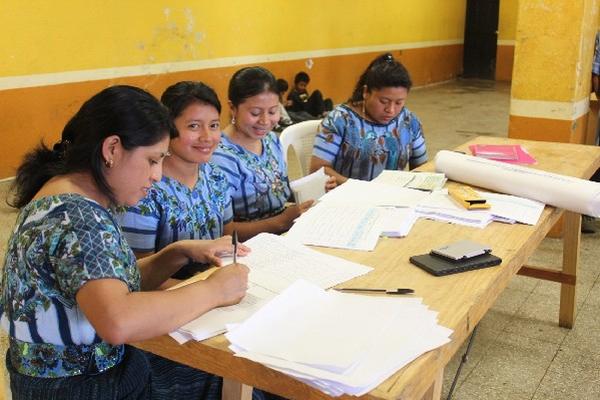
{"x":510,"y":153}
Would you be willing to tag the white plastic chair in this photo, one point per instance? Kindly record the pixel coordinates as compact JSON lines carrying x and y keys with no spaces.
{"x":301,"y":137}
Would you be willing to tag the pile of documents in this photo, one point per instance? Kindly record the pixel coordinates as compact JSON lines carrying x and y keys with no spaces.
{"x":354,"y":215}
{"x":504,"y":208}
{"x":275,"y":263}
{"x":338,"y":343}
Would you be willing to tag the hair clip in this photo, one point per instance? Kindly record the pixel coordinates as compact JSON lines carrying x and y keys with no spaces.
{"x":389,"y":58}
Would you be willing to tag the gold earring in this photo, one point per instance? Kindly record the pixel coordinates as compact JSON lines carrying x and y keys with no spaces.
{"x":109,"y":163}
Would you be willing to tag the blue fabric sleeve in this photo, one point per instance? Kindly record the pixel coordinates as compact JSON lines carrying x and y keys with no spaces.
{"x":329,"y":138}
{"x":140,"y":223}
{"x":596,"y":62}
{"x":418,"y":147}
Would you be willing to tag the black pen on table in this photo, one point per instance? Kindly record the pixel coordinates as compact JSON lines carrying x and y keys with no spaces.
{"x":234,"y":241}
{"x":386,"y":291}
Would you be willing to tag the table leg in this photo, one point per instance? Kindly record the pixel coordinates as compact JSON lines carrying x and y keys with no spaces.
{"x":435,"y":390}
{"x":571,"y":239}
{"x":234,"y":390}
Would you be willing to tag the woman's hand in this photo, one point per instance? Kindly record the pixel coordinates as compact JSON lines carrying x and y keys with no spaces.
{"x":288,"y":215}
{"x":231,"y":283}
{"x":331,"y":183}
{"x":209,"y":251}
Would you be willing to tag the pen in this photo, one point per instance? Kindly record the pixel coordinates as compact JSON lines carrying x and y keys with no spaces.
{"x":386,"y":291}
{"x":234,"y":242}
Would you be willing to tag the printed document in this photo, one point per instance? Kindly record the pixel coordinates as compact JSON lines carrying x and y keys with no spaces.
{"x":275,"y":262}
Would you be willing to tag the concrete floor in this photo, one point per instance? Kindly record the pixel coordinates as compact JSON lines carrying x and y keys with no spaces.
{"x":519,"y":351}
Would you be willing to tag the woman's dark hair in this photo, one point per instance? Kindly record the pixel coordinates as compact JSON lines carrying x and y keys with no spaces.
{"x":384,"y":71}
{"x":179,"y":96}
{"x":133,"y":114}
{"x":250,"y":81}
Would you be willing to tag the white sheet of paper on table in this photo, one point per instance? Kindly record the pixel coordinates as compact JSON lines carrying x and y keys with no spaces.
{"x":329,"y":225}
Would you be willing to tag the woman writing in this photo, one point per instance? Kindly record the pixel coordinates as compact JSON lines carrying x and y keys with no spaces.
{"x":373,"y":131}
{"x":72,"y":292}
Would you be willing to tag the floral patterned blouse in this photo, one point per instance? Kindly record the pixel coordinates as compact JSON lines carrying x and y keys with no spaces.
{"x":259,"y":183}
{"x":58,"y":244}
{"x":361,"y":149}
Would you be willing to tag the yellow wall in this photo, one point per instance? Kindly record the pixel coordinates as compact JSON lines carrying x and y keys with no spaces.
{"x":507,"y":22}
{"x":69,"y":49}
{"x":558,"y":52}
{"x":56,"y":36}
{"x":507,"y":28}
{"x":551,"y":85}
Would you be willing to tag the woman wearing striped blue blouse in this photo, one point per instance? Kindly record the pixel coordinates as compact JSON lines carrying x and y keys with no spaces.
{"x":373,"y":131}
{"x":251,"y":155}
{"x":192,"y":200}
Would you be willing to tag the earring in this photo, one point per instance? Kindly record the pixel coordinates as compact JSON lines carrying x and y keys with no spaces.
{"x":232,"y":120}
{"x":364,"y":110}
{"x":108,"y":163}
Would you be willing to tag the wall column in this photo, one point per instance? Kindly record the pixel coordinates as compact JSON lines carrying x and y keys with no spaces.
{"x":552,"y":69}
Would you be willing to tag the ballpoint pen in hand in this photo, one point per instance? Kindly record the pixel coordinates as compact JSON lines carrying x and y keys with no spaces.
{"x":234,"y":241}
{"x":386,"y":291}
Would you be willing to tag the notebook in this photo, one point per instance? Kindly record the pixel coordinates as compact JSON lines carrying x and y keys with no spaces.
{"x":440,"y":266}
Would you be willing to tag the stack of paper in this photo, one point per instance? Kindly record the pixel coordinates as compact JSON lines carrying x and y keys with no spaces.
{"x":414,"y":180}
{"x":397,"y":222}
{"x":513,"y":208}
{"x":338,"y":343}
{"x":275,"y":263}
{"x":439,"y":206}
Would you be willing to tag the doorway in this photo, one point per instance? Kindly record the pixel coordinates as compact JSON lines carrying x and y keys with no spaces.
{"x":481,"y":38}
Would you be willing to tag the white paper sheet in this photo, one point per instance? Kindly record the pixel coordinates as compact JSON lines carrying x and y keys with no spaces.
{"x":414,"y":180}
{"x":373,"y":194}
{"x":310,"y":187}
{"x":275,"y":262}
{"x":213,"y":322}
{"x":330,"y":225}
{"x":561,"y":191}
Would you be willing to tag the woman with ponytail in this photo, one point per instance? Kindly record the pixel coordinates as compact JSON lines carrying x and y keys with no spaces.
{"x":72,"y":293}
{"x":373,"y":131}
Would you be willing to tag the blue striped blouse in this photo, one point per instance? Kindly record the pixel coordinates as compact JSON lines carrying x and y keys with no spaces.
{"x":171,"y":211}
{"x":259,"y":183}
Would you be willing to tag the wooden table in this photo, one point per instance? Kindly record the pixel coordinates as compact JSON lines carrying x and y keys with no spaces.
{"x":461,"y":299}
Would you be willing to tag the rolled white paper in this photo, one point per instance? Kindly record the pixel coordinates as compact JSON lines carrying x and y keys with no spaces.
{"x":561,"y":191}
